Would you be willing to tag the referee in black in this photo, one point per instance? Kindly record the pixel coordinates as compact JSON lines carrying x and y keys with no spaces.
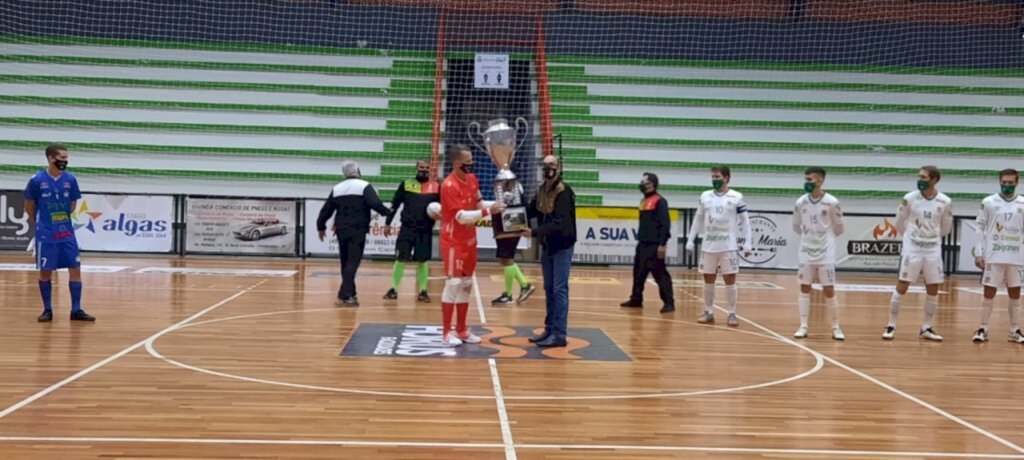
{"x":349,"y":204}
{"x":652,"y":245}
{"x":416,"y":235}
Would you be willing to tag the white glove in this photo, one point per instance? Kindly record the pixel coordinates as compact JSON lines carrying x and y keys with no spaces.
{"x":690,"y":247}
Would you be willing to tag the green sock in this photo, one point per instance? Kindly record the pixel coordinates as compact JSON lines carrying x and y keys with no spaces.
{"x":422,"y":272}
{"x":520,"y":277}
{"x":510,"y":276}
{"x":396,"y":277}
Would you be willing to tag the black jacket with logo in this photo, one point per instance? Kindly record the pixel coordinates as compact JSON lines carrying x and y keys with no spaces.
{"x":352,"y":201}
{"x":556,"y":231}
{"x":414,"y":197}
{"x":655,"y":223}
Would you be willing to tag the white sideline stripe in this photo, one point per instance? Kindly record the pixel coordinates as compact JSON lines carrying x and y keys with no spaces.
{"x":809,"y":136}
{"x":195,"y":75}
{"x":801,"y":95}
{"x":200,"y":117}
{"x":14,"y":407}
{"x":804,"y":115}
{"x":499,"y":395}
{"x":470,"y":445}
{"x":884,"y":385}
{"x":704,"y":73}
{"x":215,"y":96}
{"x":167,"y":54}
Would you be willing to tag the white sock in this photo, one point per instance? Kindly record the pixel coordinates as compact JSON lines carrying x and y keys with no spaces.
{"x":986,"y":311}
{"x":894,"y":307}
{"x":731,"y":293}
{"x":1014,"y":307}
{"x":931,"y":304}
{"x":709,"y":298}
{"x":833,"y":308}
{"x":804,"y":303}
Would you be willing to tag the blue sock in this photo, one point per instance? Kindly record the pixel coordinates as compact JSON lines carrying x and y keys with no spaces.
{"x":76,"y":295}
{"x":45,"y":290}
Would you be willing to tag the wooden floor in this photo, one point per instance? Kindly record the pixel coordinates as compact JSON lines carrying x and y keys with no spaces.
{"x":218,"y":366}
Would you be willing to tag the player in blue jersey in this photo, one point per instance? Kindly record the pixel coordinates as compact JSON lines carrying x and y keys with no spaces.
{"x":50,"y":197}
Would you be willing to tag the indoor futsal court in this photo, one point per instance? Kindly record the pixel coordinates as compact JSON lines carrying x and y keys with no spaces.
{"x":209,"y":365}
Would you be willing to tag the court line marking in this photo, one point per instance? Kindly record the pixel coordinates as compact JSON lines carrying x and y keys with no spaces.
{"x":484,"y":445}
{"x":819,"y":364}
{"x":499,"y":395}
{"x":884,"y":385}
{"x":82,"y":373}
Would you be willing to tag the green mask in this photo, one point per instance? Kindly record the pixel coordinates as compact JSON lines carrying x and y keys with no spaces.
{"x":922,"y":185}
{"x":1007,"y":189}
{"x":717,"y":183}
{"x":809,"y":187}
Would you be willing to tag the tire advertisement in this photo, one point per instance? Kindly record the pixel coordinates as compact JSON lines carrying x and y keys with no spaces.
{"x":222,"y":226}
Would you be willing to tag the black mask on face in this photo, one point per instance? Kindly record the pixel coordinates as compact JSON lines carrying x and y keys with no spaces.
{"x":550,"y":172}
{"x":467,"y":168}
{"x":61,"y":164}
{"x":422,"y":176}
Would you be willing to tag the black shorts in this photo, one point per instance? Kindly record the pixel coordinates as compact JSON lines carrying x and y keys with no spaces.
{"x":414,"y":245}
{"x":507,"y":248}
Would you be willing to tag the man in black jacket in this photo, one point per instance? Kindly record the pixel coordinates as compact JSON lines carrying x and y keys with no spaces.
{"x":352,"y":200}
{"x":652,"y":244}
{"x":416,"y":235}
{"x":554,"y":208}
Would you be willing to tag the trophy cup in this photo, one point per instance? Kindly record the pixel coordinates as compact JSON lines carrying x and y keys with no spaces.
{"x":500,"y":141}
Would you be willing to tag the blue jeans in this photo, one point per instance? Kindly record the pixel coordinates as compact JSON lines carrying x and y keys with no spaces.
{"x":556,"y":288}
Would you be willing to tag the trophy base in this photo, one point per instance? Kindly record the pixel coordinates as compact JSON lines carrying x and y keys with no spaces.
{"x":511,"y":222}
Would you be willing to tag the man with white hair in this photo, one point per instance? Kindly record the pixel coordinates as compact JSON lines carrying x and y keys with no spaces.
{"x":461,"y":208}
{"x":349,"y":204}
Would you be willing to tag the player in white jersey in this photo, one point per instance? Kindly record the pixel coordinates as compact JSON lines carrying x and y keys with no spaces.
{"x":1000,"y":252}
{"x":924,"y":217}
{"x":720,"y":213}
{"x":818,"y":220}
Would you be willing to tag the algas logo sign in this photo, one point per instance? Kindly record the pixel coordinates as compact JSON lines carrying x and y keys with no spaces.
{"x":424,"y":341}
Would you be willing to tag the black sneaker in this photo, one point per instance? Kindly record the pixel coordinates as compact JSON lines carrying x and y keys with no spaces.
{"x":81,"y":315}
{"x":667,"y":308}
{"x":525,"y":293}
{"x":423,"y":297}
{"x":503,"y":299}
{"x":391,"y":294}
{"x":46,"y":317}
{"x":631,"y":304}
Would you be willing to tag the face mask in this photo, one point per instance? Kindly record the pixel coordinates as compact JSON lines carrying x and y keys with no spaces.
{"x":467,"y":168}
{"x":809,"y":187}
{"x":1007,"y":189}
{"x":550,"y":173}
{"x":60,"y":164}
{"x":922,"y":185}
{"x":422,"y":176}
{"x":717,"y":183}
{"x":643,"y":187}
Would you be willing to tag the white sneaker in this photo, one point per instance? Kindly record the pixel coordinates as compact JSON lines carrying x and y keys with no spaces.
{"x":1016,"y":336}
{"x":801,"y":333}
{"x":450,"y":340}
{"x":980,"y":336}
{"x":837,"y":334}
{"x":890,"y":332}
{"x":706,"y":318}
{"x":470,"y":338}
{"x":732,"y":321}
{"x":930,"y":334}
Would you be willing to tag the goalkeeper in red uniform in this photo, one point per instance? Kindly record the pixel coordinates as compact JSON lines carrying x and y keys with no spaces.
{"x":461,"y":208}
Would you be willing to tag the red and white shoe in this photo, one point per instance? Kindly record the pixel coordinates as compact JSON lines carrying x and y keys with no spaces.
{"x":469,"y":337}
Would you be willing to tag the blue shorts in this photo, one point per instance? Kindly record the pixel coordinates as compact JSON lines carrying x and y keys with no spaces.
{"x":54,"y":256}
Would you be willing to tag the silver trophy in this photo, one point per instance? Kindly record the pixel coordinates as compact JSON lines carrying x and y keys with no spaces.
{"x":500,"y":142}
